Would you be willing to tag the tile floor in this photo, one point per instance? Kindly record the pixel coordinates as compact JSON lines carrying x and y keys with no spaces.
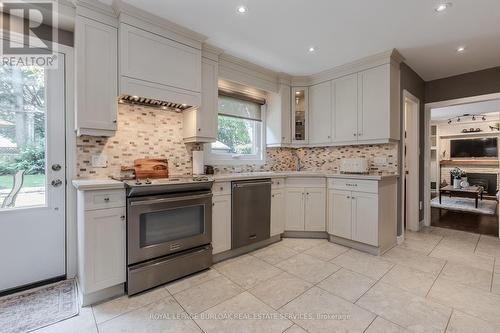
{"x":439,"y":280}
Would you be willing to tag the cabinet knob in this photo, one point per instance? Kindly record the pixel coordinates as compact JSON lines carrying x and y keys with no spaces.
{"x":106,"y":199}
{"x":222,"y":188}
{"x":114,"y":121}
{"x":272,"y":195}
{"x":360,"y":134}
{"x":354,"y":134}
{"x":122,"y":217}
{"x":329,"y":137}
{"x":213,"y":204}
{"x":199,"y":129}
{"x":348,"y":197}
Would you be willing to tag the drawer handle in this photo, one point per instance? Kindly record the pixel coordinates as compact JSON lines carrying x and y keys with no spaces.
{"x":106,"y":199}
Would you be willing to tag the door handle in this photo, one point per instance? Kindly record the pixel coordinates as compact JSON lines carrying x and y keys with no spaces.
{"x":56,"y":182}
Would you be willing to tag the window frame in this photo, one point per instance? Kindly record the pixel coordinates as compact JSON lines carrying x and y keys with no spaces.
{"x":240,"y":159}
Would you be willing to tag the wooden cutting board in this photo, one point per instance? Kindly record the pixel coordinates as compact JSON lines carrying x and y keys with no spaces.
{"x":151,"y":168}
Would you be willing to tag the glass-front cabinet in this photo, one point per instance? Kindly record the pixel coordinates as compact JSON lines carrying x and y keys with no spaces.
{"x":299,"y":114}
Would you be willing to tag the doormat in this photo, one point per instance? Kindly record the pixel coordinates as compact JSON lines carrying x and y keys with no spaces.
{"x":486,"y":207}
{"x":36,"y":308}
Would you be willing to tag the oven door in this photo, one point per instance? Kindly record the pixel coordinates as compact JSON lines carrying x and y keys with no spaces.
{"x":161,"y":225}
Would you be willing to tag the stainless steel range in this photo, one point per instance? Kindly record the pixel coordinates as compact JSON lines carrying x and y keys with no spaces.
{"x":169,"y":228}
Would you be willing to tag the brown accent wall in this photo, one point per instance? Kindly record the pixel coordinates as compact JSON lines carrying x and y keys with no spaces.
{"x":477,"y":83}
{"x":415,"y":85}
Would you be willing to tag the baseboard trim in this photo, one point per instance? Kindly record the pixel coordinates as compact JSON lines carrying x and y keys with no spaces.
{"x":101,"y":295}
{"x":306,"y":234}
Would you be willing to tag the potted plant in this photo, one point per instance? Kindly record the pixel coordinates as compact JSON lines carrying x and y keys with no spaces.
{"x":456,"y":175}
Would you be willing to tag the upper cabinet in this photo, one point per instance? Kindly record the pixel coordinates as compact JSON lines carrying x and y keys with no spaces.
{"x":156,"y":67}
{"x":278,"y":128}
{"x":96,"y":75}
{"x":345,"y":106}
{"x":300,"y":105}
{"x":200,"y":124}
{"x":320,"y":113}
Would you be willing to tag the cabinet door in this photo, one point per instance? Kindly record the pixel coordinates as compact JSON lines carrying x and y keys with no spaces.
{"x":341,"y":213}
{"x":278,"y":117}
{"x":365,"y":218}
{"x":300,"y":121}
{"x":277,"y":212}
{"x":105,"y":245}
{"x":345,"y":108}
{"x":294,"y":209}
{"x":150,"y":57}
{"x":221,"y":223}
{"x":374,"y":116}
{"x":320,"y":113}
{"x":207,"y":113}
{"x":315,"y":209}
{"x":96,"y":76}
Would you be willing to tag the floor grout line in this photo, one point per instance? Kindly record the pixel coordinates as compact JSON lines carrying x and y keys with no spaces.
{"x":449,"y":319}
{"x":493,"y":274}
{"x":437,"y":277}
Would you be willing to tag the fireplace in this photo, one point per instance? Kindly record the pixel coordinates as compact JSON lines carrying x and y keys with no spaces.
{"x":487,"y":180}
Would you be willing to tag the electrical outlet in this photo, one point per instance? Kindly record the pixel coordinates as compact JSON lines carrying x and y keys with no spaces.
{"x":99,"y":161}
{"x":380,"y":160}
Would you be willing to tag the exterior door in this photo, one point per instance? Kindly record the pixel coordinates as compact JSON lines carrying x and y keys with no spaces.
{"x":32,"y":174}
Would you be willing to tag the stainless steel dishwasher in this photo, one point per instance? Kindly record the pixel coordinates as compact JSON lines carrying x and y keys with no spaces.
{"x":250,"y":212}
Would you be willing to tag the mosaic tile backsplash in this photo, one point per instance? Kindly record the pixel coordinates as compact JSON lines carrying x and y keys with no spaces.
{"x":146,"y":132}
{"x":322,"y":159}
{"x":142,"y":132}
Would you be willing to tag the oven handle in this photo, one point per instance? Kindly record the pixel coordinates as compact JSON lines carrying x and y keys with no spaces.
{"x":164,"y":200}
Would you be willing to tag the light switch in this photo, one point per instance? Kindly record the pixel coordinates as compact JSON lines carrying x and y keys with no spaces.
{"x":99,"y":161}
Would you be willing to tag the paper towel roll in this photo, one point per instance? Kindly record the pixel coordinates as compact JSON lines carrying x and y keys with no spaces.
{"x":198,"y":163}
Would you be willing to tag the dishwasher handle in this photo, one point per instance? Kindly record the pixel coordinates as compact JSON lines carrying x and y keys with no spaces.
{"x":251,"y":184}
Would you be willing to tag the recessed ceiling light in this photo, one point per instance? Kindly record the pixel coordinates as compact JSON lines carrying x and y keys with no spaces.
{"x":311,"y":49}
{"x":242,"y":9}
{"x":461,"y":49}
{"x":442,"y":7}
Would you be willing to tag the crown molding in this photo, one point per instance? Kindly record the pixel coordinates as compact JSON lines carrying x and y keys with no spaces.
{"x":125,"y":9}
{"x":211,"y":52}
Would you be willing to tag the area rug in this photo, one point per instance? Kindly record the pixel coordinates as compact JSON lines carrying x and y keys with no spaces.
{"x":486,"y":207}
{"x":36,"y":308}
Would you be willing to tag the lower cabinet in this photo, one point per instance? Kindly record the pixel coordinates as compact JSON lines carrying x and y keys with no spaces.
{"x":354,"y":215}
{"x":102,"y":229}
{"x":305,"y":209}
{"x":221,"y":223}
{"x":277,"y":212}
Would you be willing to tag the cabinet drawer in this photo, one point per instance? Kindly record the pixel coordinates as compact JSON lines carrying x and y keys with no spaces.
{"x":221,"y":188}
{"x":277,"y":183}
{"x":319,"y":182}
{"x":359,"y":185}
{"x":104,"y":199}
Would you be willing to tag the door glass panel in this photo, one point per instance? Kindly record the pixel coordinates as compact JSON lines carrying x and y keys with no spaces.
{"x":170,"y":225}
{"x":22,"y":136}
{"x":299,"y":108}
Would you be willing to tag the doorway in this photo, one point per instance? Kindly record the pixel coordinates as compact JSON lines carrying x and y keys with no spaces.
{"x":32,"y":175}
{"x":411,"y":158}
{"x":462,"y":164}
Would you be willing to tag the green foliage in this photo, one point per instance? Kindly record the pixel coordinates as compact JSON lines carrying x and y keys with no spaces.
{"x":235,"y":133}
{"x":31,"y":159}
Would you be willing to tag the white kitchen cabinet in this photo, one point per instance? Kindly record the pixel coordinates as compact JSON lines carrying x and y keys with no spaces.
{"x":294,"y":209}
{"x":200,"y":124}
{"x":345,"y":108}
{"x":305,"y":201}
{"x":96,"y":60}
{"x":221,"y":223}
{"x":150,"y":57}
{"x":363,"y":211}
{"x":339,"y":215}
{"x":277,"y":212}
{"x":315,"y":209}
{"x":105,"y":248}
{"x":365,"y":218}
{"x":300,"y":115}
{"x":278,"y":124}
{"x":320,"y":113}
{"x":101,"y":224}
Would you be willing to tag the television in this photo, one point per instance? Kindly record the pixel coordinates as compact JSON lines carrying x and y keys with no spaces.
{"x":482,"y":147}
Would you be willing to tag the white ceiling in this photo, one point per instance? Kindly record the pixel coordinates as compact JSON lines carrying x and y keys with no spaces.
{"x":470,"y":108}
{"x":277,"y":33}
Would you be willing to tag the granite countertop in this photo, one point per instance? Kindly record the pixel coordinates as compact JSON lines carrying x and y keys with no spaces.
{"x":283,"y":174}
{"x":97,"y":184}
